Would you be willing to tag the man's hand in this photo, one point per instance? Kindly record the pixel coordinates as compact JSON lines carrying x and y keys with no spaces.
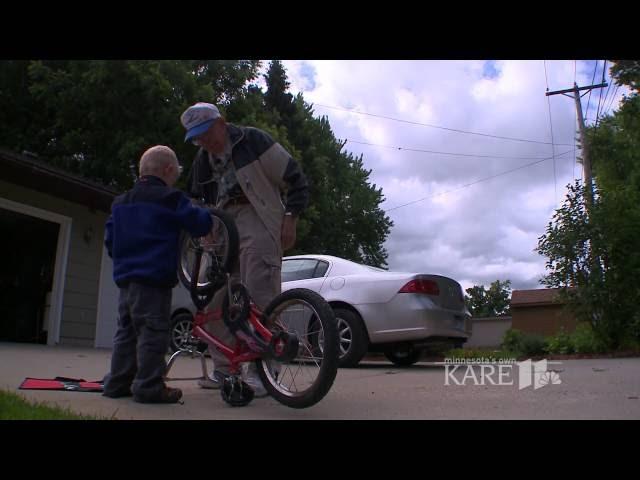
{"x":288,"y":234}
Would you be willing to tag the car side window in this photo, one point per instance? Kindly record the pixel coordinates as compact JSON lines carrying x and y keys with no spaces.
{"x":298,"y":269}
{"x":321,"y":269}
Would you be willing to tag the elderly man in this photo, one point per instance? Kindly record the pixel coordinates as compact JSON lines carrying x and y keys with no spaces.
{"x":245,"y":172}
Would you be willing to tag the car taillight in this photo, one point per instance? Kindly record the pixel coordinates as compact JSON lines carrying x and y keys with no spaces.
{"x":421,"y":286}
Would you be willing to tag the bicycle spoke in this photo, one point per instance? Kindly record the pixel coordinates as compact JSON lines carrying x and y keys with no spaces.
{"x":293,"y":379}
{"x":311,"y":353}
{"x":300,"y":375}
{"x":312,"y":378}
{"x":283,"y":377}
{"x":303,"y":367}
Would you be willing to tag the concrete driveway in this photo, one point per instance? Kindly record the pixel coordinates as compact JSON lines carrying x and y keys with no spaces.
{"x":589,"y":389}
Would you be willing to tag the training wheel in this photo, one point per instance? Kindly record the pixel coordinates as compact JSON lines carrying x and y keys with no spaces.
{"x":236,"y":392}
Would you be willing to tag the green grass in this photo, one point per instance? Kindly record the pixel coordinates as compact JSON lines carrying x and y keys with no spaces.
{"x":16,"y":407}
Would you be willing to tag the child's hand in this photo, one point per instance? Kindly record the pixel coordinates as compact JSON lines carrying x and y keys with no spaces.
{"x":208,"y":241}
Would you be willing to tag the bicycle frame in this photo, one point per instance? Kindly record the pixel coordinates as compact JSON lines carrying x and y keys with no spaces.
{"x":249,"y":346}
{"x":245,"y":349}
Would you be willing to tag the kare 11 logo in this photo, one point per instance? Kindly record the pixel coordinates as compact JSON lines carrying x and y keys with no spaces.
{"x":491,"y":372}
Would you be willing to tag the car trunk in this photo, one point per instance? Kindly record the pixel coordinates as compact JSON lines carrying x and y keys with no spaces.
{"x":450,"y":296}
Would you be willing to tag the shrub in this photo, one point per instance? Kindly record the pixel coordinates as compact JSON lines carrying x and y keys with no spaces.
{"x":560,"y":344}
{"x":525,"y":344}
{"x":584,"y":340}
{"x":512,"y":340}
{"x":478,"y":353}
{"x":533,"y":344}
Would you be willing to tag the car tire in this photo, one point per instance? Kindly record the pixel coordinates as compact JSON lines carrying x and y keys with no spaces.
{"x":181,"y":325}
{"x":358,"y":346}
{"x":403,"y":355}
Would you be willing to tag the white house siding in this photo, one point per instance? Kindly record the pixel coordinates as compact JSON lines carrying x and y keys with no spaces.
{"x":78,"y":324}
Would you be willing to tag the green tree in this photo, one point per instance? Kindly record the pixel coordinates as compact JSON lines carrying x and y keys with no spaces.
{"x":598,"y":253}
{"x":626,"y":72}
{"x":277,"y":99}
{"x":492,"y":302}
{"x":96,"y":118}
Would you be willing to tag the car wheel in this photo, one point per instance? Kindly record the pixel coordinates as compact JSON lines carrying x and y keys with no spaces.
{"x":352,"y":337}
{"x":181,"y":327}
{"x":403,"y":355}
{"x":353,"y":340}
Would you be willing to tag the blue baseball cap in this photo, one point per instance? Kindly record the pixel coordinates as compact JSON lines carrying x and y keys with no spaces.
{"x":198,"y":118}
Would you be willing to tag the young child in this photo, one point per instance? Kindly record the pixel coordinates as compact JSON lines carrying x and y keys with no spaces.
{"x":141,"y":237}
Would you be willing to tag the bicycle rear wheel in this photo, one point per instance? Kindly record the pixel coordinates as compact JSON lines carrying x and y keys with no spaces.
{"x":218,"y":256}
{"x":305,"y":380}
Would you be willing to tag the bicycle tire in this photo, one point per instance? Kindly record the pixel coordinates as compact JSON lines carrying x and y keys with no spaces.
{"x":200,"y":297}
{"x":225,"y":262}
{"x":322,"y":314}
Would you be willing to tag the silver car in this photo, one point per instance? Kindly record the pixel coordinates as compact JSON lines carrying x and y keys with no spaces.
{"x":399,"y":314}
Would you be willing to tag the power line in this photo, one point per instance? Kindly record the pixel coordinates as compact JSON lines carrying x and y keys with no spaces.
{"x":437,"y":126}
{"x":586,"y":112}
{"x":607,"y":109}
{"x":443,"y":153}
{"x":474,"y":183}
{"x":553,"y":149}
{"x":604,"y":69}
{"x":606,"y":95}
{"x":612,"y":98}
{"x":575,"y":116}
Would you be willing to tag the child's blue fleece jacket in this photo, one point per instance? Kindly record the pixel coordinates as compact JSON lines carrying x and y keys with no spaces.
{"x":142,"y":233}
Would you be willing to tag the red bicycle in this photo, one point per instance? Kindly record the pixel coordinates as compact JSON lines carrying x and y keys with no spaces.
{"x":294,"y":342}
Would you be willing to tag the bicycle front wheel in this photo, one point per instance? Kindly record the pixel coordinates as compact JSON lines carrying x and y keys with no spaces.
{"x":218,"y":256}
{"x":307,"y":378}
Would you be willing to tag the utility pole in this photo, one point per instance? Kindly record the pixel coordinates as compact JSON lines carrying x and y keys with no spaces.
{"x":586,"y":161}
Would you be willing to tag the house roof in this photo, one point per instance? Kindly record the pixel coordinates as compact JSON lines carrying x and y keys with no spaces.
{"x":541,"y":296}
{"x":33,"y":173}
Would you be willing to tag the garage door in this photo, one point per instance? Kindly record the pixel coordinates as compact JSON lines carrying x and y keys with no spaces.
{"x":107,"y":304}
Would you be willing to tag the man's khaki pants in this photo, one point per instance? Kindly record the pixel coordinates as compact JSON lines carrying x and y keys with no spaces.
{"x":258,"y":268}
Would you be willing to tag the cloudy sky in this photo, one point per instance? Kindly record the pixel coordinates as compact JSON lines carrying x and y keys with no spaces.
{"x":458,"y":221}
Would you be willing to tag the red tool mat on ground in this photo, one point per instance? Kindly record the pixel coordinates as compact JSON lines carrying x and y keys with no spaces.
{"x":61,"y":383}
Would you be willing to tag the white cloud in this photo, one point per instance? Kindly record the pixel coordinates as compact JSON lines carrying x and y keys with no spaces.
{"x":477,"y":234}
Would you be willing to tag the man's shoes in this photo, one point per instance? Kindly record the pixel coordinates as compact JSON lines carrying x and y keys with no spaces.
{"x":251,"y":378}
{"x":213,"y":382}
{"x":209,"y":384}
{"x":167,"y":395}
